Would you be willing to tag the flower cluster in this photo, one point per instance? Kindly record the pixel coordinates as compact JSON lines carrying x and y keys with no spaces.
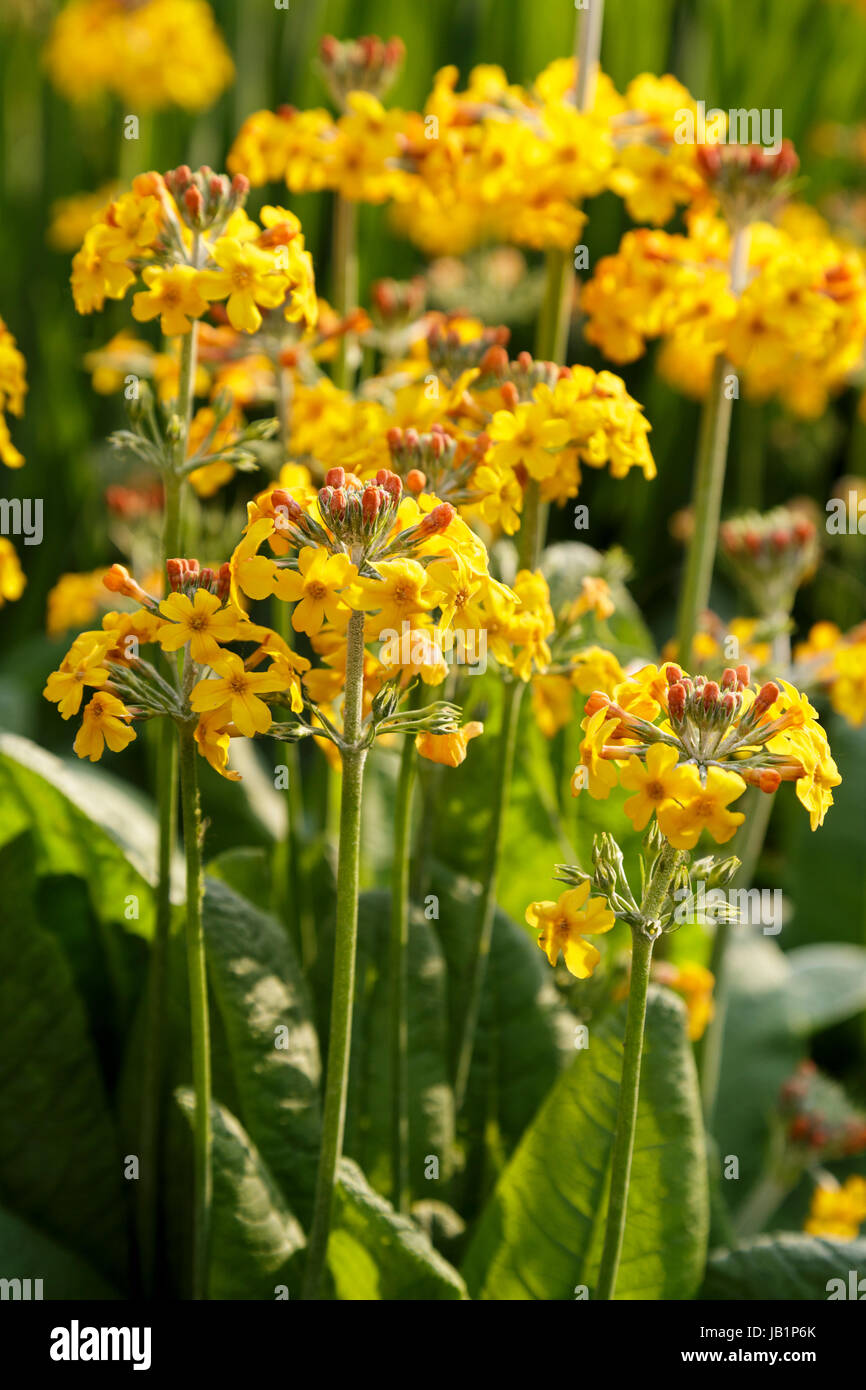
{"x":153,"y":54}
{"x":686,"y":747}
{"x":13,"y":388}
{"x":187,"y":238}
{"x":837,"y":1212}
{"x":796,"y":331}
{"x":837,"y":662}
{"x":771,"y":554}
{"x":818,"y":1119}
{"x":219,"y":692}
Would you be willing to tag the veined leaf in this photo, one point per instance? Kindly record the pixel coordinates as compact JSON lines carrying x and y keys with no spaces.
{"x":787,"y":1266}
{"x":541,"y":1234}
{"x":27,"y":1254}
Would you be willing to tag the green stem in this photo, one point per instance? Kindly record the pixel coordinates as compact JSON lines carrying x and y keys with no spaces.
{"x":345,"y":948}
{"x":623,"y":1144}
{"x":399,"y":977}
{"x":512,"y":692}
{"x":198,"y":1010}
{"x":166,"y":790}
{"x":709,"y":483}
{"x":764,"y":1199}
{"x":345,"y":279}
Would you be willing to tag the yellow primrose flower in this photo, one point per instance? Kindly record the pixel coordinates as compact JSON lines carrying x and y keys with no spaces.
{"x":201,"y":621}
{"x":695,"y":984}
{"x":448,"y":749}
{"x":595,"y":772}
{"x":701,"y":807}
{"x":173,"y":295}
{"x":654,"y":782}
{"x":12,"y":581}
{"x":214,"y":741}
{"x":65,"y":687}
{"x":236,"y":695}
{"x":315,"y":588}
{"x":526,"y":437}
{"x":400,"y":595}
{"x":563,"y":925}
{"x":249,"y":277}
{"x":838,"y":1212}
{"x":103,"y":723}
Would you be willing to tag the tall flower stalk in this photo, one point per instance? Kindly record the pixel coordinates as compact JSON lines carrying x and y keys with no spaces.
{"x":398,"y":977}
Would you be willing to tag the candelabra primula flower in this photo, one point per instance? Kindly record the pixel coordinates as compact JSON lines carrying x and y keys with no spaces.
{"x":448,"y":749}
{"x":688,"y":747}
{"x":187,"y":237}
{"x":837,"y":1212}
{"x":695,"y":984}
{"x":836,"y":661}
{"x":217,"y":691}
{"x":13,"y":389}
{"x":153,"y":54}
{"x":563,"y":925}
{"x":12,"y":580}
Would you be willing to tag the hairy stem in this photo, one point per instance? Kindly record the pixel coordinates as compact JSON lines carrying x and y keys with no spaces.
{"x":198,"y":1009}
{"x":643,"y":939}
{"x":345,"y":949}
{"x":345,"y":279}
{"x":398,"y":963}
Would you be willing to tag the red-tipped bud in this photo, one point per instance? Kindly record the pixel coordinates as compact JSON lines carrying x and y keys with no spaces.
{"x":677,"y":700}
{"x":673,"y":674}
{"x":495,"y":360}
{"x":743,"y":676}
{"x":416,"y":481}
{"x":710,"y":694}
{"x":510,"y":398}
{"x":596,"y":701}
{"x":438,"y":520}
{"x":766,"y":696}
{"x":193,"y":201}
{"x":394,"y":437}
{"x":770,"y":780}
{"x":335,"y":477}
{"x":729,"y":678}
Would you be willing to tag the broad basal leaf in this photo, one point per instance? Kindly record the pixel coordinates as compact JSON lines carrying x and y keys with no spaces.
{"x":540,"y":1236}
{"x":787,"y":1266}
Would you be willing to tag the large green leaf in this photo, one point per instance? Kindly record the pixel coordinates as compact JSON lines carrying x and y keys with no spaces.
{"x":27,"y":1254}
{"x":60,"y":1162}
{"x":775,"y":1000}
{"x":254,"y":1235}
{"x":373,"y":1253}
{"x":266,"y":1066}
{"x":788,"y":1266}
{"x":87,"y":823}
{"x":431,"y":1101}
{"x":540,"y":1236}
{"x":524,"y":1033}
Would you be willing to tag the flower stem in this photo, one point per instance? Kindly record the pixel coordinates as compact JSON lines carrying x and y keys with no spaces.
{"x":345,"y":279}
{"x":399,"y":977}
{"x":643,"y":939}
{"x":709,"y":484}
{"x":198,"y":1009}
{"x":345,"y":948}
{"x":166,"y":788}
{"x":512,"y":692}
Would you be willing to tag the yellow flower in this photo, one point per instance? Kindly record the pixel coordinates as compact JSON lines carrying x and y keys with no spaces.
{"x":173,"y":295}
{"x":315,"y":588}
{"x":65,"y":687}
{"x":595,"y":772}
{"x":814,"y":790}
{"x":695,"y":984}
{"x":654,"y":783}
{"x":201,"y":621}
{"x":838,"y":1212}
{"x":213,"y":744}
{"x":400,"y":594}
{"x":448,"y":749}
{"x":103,"y":723}
{"x":249,"y":277}
{"x":12,"y":579}
{"x":563,"y":925}
{"x":236,"y":695}
{"x":527,"y":437}
{"x":701,"y":807}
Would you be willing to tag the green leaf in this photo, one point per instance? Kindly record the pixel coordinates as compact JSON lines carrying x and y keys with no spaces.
{"x":60,"y":1163}
{"x":373,"y":1253}
{"x":787,"y":1266}
{"x":827,"y":984}
{"x":86,"y":823}
{"x":524,"y":1033}
{"x":541,"y":1234}
{"x":254,"y":1235}
{"x":27,"y":1254}
{"x":431,"y":1100}
{"x":262,"y":1001}
{"x":247,"y":870}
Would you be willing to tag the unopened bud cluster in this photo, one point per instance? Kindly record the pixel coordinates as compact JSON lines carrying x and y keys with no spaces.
{"x":747,"y":179}
{"x":205,"y":199}
{"x":771,"y":555}
{"x":518,"y":379}
{"x":186,"y":576}
{"x":358,"y":518}
{"x":450,"y":355}
{"x":397,"y":303}
{"x":818,"y":1116}
{"x":368,"y":64}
